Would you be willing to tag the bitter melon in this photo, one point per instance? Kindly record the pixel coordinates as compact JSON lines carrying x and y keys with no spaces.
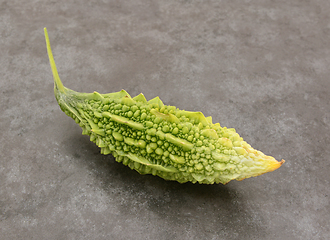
{"x":153,"y":138}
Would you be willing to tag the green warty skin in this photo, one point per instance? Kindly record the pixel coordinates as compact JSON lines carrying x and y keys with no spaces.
{"x":153,"y":138}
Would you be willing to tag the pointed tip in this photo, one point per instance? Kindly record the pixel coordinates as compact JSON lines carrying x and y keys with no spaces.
{"x":264,"y":164}
{"x":275,"y":165}
{"x":57,"y":81}
{"x":270,"y":163}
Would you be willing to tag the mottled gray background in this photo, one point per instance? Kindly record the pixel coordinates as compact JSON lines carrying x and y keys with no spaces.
{"x":261,"y":67}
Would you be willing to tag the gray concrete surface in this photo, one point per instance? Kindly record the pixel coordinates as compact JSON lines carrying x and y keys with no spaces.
{"x":261,"y":67}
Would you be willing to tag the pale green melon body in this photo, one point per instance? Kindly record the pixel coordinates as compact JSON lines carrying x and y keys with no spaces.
{"x":153,"y":138}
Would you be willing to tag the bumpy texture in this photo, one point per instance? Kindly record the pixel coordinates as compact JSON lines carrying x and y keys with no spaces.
{"x":153,"y":138}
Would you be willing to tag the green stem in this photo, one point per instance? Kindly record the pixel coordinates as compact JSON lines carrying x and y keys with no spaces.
{"x":57,"y":81}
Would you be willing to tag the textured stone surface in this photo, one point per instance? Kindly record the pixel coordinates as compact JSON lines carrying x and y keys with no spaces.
{"x":261,"y":67}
